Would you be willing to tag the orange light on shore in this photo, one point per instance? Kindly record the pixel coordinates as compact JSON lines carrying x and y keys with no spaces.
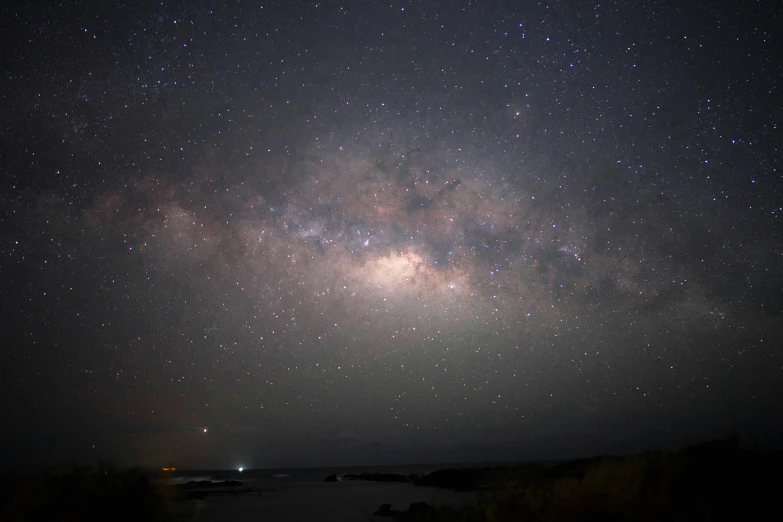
{"x":169,"y":469}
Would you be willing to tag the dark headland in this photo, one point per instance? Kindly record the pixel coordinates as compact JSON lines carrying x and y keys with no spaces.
{"x":711,"y":481}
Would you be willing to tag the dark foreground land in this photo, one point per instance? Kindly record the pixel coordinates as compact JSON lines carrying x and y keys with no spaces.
{"x":711,"y":481}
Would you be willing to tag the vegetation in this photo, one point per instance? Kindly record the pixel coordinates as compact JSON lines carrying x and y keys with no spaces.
{"x":85,"y":494}
{"x":712,"y":481}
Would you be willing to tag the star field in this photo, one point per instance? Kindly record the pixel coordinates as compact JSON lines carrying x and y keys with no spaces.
{"x":315,"y":234}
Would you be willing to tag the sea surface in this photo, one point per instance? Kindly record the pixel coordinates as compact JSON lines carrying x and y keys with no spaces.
{"x":292,"y":477}
{"x":301,"y":493}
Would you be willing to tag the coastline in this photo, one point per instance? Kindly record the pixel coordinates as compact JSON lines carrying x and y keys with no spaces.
{"x":717,"y":480}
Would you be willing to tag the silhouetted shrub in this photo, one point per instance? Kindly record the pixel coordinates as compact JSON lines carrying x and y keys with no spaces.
{"x":86,"y":494}
{"x":712,"y":481}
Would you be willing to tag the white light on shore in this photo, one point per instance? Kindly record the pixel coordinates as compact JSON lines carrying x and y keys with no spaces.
{"x":240,"y":469}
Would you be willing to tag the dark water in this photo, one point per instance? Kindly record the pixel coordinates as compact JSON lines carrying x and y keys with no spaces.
{"x":301,"y":493}
{"x":349,"y":501}
{"x":293,"y":477}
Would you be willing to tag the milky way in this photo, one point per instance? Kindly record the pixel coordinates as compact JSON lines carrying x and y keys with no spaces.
{"x":360,"y":244}
{"x":446,"y":295}
{"x":387,"y":235}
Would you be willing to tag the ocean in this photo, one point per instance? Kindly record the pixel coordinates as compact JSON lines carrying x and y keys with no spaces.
{"x":293,"y":477}
{"x":301,"y":493}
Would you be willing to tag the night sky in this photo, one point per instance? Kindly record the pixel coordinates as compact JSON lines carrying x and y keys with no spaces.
{"x":365,"y":232}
